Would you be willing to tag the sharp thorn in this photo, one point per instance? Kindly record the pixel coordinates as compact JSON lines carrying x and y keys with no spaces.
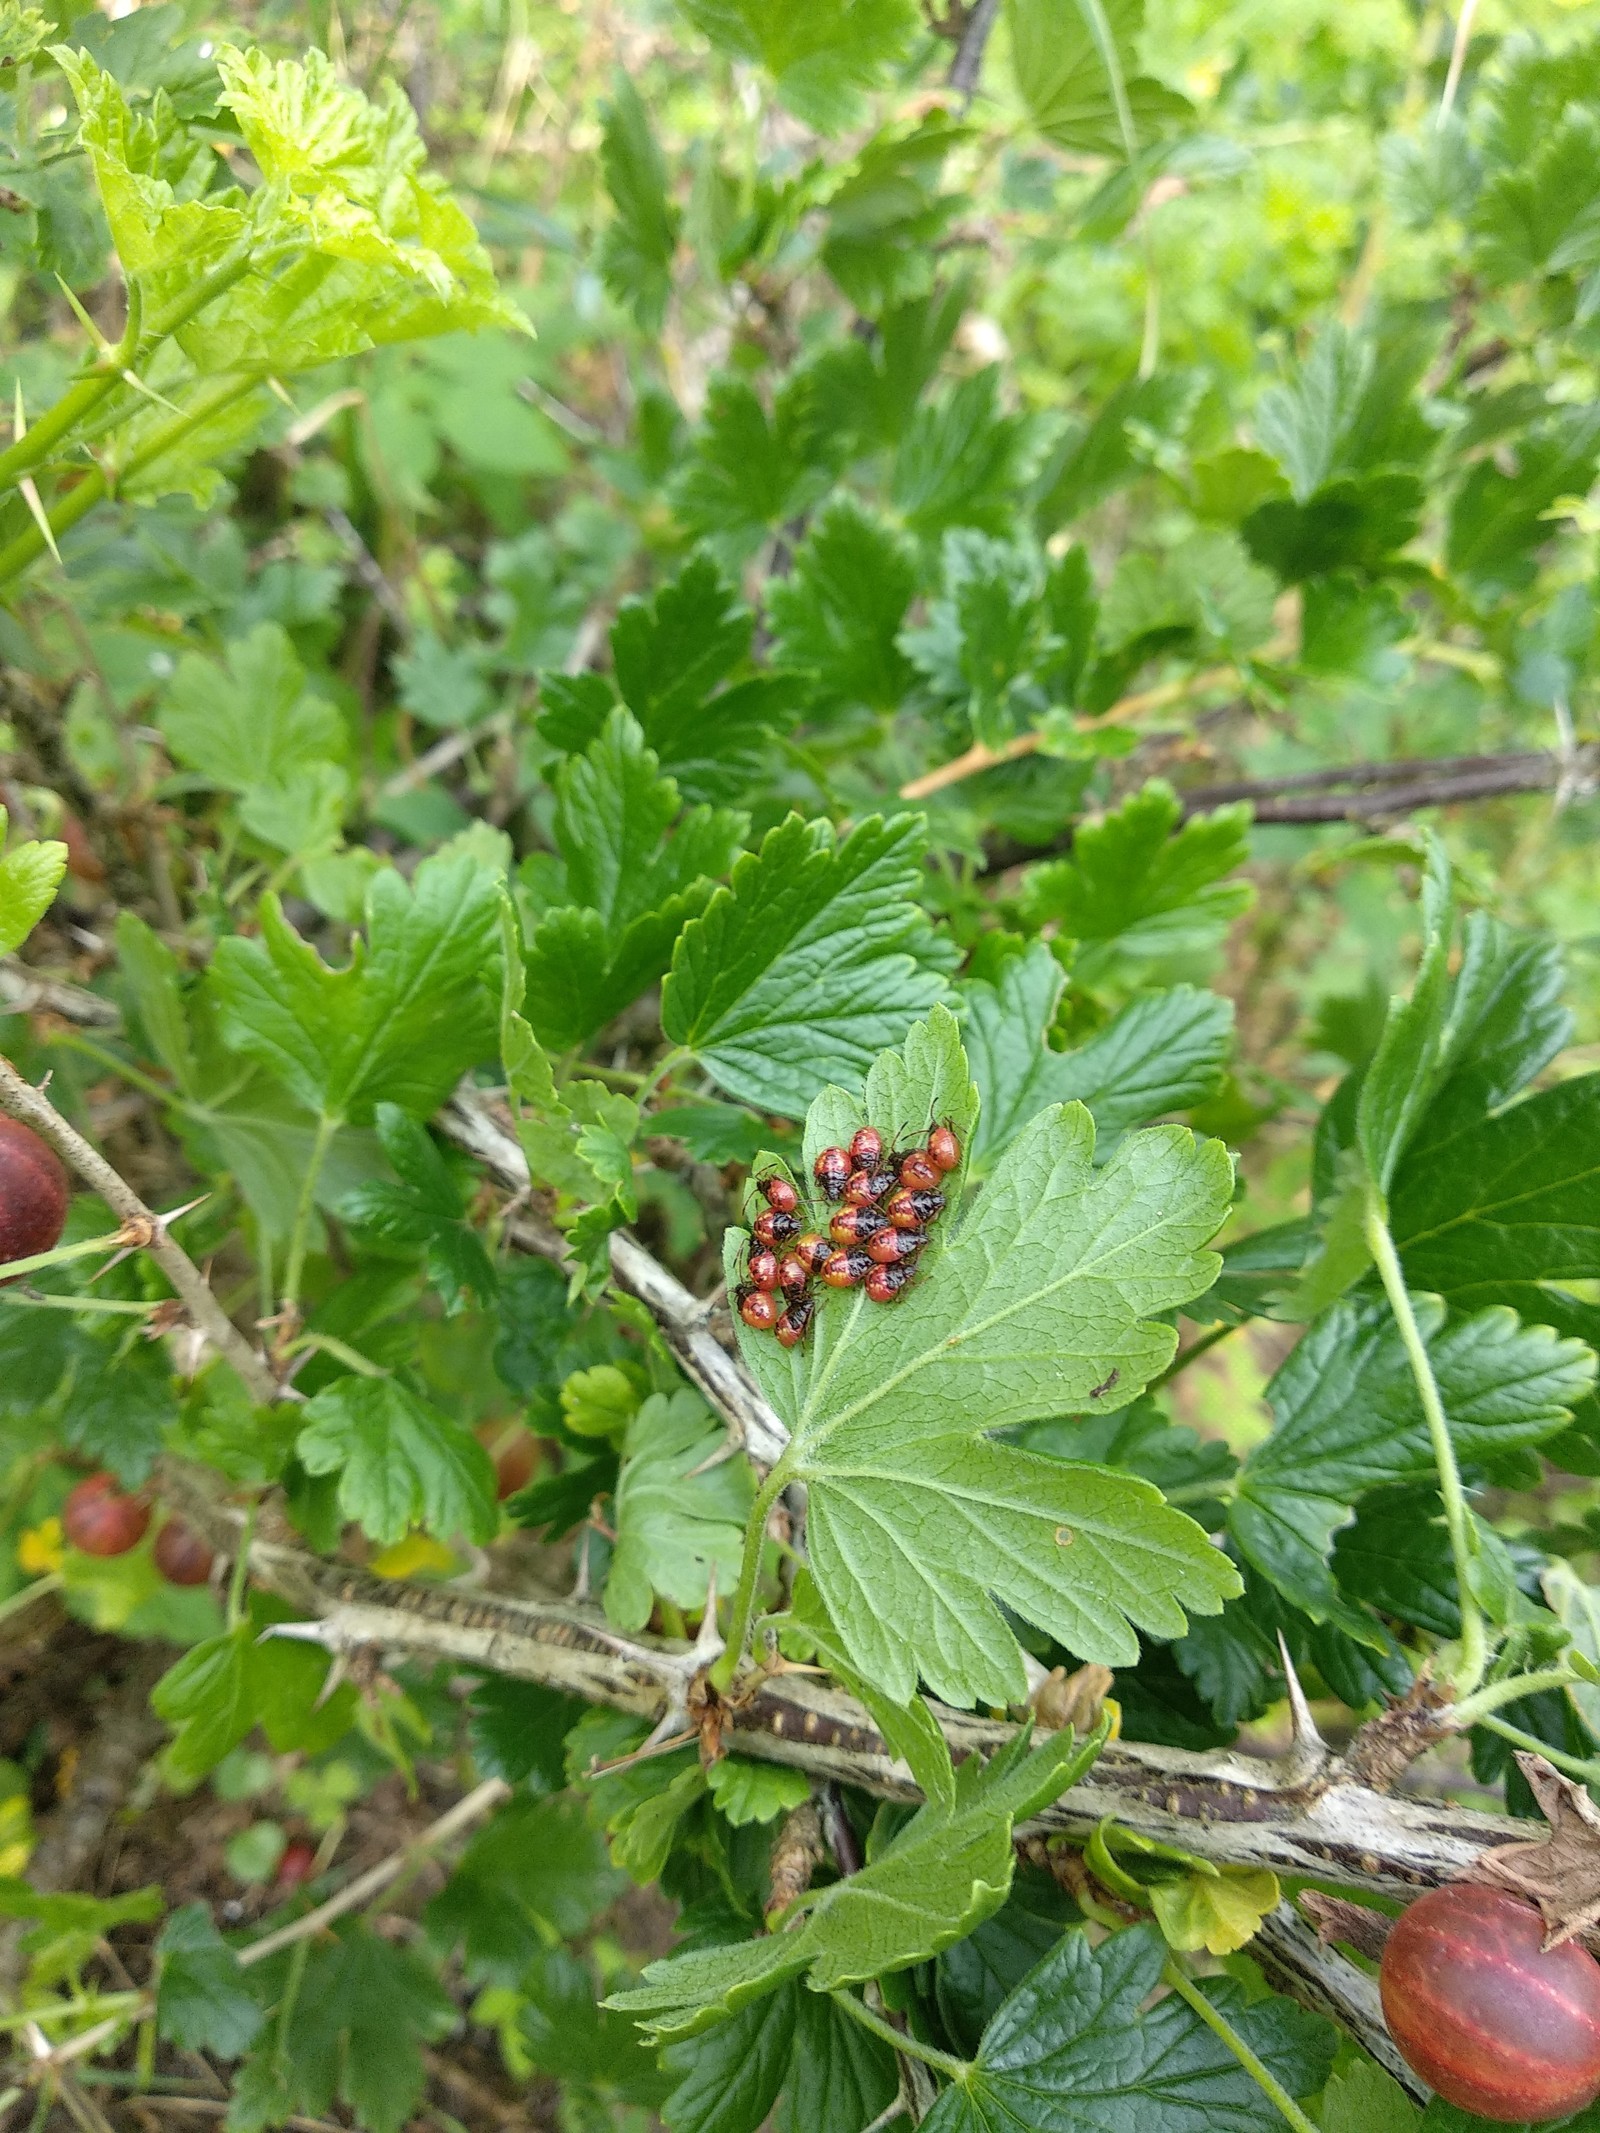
{"x":1308,"y":1751}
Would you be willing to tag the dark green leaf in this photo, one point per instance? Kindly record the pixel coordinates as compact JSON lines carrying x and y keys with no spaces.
{"x":202,"y":2002}
{"x":636,"y":256}
{"x":538,"y":1869}
{"x":400,"y":1461}
{"x":837,"y":615}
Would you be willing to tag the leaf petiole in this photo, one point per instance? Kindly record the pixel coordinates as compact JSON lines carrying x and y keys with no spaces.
{"x":1471,"y":1710}
{"x":1186,"y":1989}
{"x":1474,"y":1647}
{"x":327,"y":1127}
{"x":1576,"y":1766}
{"x":742,"y":1619}
{"x":946,"y":2062}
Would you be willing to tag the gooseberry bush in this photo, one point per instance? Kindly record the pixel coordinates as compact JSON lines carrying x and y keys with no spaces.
{"x":796,"y":972}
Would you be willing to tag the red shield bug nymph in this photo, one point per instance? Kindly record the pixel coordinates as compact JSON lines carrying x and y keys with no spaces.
{"x":832,"y":1173}
{"x":795,"y":1323}
{"x":775,"y":1230}
{"x":847,"y":1270}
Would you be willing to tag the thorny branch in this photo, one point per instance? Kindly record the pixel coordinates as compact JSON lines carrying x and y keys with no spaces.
{"x":19,"y":1099}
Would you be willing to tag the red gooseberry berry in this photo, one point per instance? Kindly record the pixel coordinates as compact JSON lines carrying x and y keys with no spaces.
{"x":33,"y":1194}
{"x":100,"y":1519}
{"x":1488,"y":2016}
{"x":296,"y":1866}
{"x":181,"y":1555}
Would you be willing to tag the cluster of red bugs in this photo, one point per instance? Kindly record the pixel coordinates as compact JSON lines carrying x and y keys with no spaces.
{"x":885,"y":1202}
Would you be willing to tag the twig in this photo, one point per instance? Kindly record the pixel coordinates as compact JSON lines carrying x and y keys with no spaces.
{"x":477,"y":1803}
{"x":20,"y":1100}
{"x":369,"y":570}
{"x":470,"y":1121}
{"x":1298,"y":1963}
{"x":967,"y":65}
{"x":24,"y":991}
{"x":1458,"y":60}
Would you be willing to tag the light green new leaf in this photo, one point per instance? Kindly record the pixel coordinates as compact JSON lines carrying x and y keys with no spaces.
{"x":822,"y":57}
{"x":1074,"y":2046}
{"x":755,"y":1792}
{"x":808,"y":964}
{"x":400,"y":1462}
{"x":1362,"y":2098}
{"x":636,"y":255}
{"x":1577,"y":1603}
{"x":674,"y":1524}
{"x":1043,"y":1297}
{"x":1347,"y":1419}
{"x":23,"y":31}
{"x":1074,"y":65}
{"x":227,"y":1684}
{"x":30,"y":874}
{"x":248,"y":725}
{"x":1138,"y":888}
{"x":631,"y":886}
{"x":1219,"y":1909}
{"x":946,"y":1871}
{"x":1165,"y":1051}
{"x":409,"y":1013}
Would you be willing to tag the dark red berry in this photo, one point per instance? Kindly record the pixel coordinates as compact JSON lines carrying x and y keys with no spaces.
{"x":811,"y":1250}
{"x":1484,"y":2013}
{"x":919,"y":1172}
{"x":795,"y":1323}
{"x":854,"y":1225}
{"x":759,"y":1310}
{"x":885,"y":1283}
{"x":181,"y":1555}
{"x":831,"y":1171}
{"x":865,"y":1188}
{"x":793,"y":1275}
{"x":514,"y":1463}
{"x":33,"y":1194}
{"x":944,"y":1148}
{"x":775,"y":1229}
{"x":763,"y":1270}
{"x":866,"y":1150}
{"x":98,"y":1518}
{"x":847,"y":1270}
{"x":296,"y":1866}
{"x":896,"y":1247}
{"x":779,"y":1193}
{"x":913,"y":1210}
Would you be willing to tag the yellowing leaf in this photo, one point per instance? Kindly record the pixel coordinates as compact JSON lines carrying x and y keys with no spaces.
{"x":1217,"y":1911}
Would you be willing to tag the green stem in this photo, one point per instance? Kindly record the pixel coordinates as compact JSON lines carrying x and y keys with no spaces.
{"x":946,"y":2062}
{"x":327,"y":1127}
{"x":63,"y":1254}
{"x":1471,"y":1710}
{"x":1474,"y":1648}
{"x":135,"y":1077}
{"x":342,"y":1352}
{"x":107,"y":1306}
{"x":241,"y":1571}
{"x":98,"y":2003}
{"x":742,"y":1618}
{"x":29,"y":545}
{"x":1185,"y":1356}
{"x":79,"y":402}
{"x":660,"y":1073}
{"x":1574,"y":1765}
{"x":29,"y":1593}
{"x":1268,"y":2082}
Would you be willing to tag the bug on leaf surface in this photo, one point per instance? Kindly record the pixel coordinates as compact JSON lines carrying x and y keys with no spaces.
{"x":795,"y":1323}
{"x":847,"y":1270}
{"x":759,"y":1310}
{"x":896,"y":1247}
{"x":866,"y":1149}
{"x":763,"y":1270}
{"x":832,"y":1172}
{"x":812,"y":1250}
{"x":856,"y":1225}
{"x":914,"y":1210}
{"x":944,"y":1149}
{"x":793,"y":1275}
{"x":919,"y":1172}
{"x":779,"y":1193}
{"x":885,"y":1283}
{"x":867,"y":1187}
{"x":774,"y":1229}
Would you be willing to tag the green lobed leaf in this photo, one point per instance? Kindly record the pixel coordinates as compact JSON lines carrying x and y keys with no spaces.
{"x":795,"y":2046}
{"x":400,"y":1022}
{"x":1140,"y":889}
{"x":636,"y":254}
{"x":747,"y":1792}
{"x":202,"y":2001}
{"x":1071,"y":2048}
{"x":400,"y":1462}
{"x":1042,"y":1292}
{"x":226,"y":1685}
{"x":822,"y":57}
{"x":946,"y":1870}
{"x":677,"y":1518}
{"x":1165,"y":1051}
{"x":30,"y":874}
{"x":1074,"y":67}
{"x":810,"y":962}
{"x":538,"y":1871}
{"x":837,"y":616}
{"x":1347,"y":1419}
